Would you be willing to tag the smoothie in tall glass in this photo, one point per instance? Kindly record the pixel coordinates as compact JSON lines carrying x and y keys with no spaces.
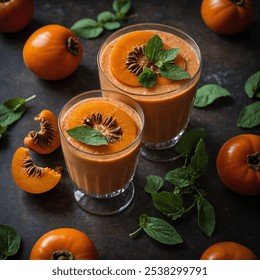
{"x":168,"y":102}
{"x":101,"y":139}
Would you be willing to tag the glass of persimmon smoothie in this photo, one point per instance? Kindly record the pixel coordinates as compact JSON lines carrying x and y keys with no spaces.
{"x":159,"y":66}
{"x":101,"y":139}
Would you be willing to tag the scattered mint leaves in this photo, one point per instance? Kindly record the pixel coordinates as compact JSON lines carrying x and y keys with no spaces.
{"x":154,"y":183}
{"x":252,"y":85}
{"x":160,"y":63}
{"x":207,"y":94}
{"x":250,"y":116}
{"x":11,"y":111}
{"x":184,"y":192}
{"x":159,"y":230}
{"x":88,"y":135}
{"x":88,"y":28}
{"x":189,"y":140}
{"x":206,"y":216}
{"x":10,"y":241}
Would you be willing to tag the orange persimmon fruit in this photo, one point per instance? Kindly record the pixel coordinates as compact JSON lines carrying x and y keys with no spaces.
{"x":15,"y":15}
{"x":64,"y":244}
{"x":53,"y":52}
{"x":126,"y":44}
{"x":47,"y":139}
{"x":30,"y":177}
{"x":228,"y":250}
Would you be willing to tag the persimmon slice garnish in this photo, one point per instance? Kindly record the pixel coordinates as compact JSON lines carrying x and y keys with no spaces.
{"x":128,"y":43}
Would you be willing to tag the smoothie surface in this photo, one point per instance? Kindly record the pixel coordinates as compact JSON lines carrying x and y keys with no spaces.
{"x":126,"y":118}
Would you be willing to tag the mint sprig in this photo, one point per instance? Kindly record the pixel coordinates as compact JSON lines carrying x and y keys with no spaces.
{"x":88,"y":28}
{"x":184,"y":192}
{"x":88,"y":135}
{"x":159,"y":230}
{"x":160,"y":63}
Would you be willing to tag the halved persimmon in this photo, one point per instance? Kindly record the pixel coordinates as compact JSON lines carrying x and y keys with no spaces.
{"x":30,"y":177}
{"x":128,"y":43}
{"x":47,"y":139}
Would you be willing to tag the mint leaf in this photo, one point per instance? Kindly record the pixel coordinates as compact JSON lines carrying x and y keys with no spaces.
{"x":106,"y":16}
{"x":207,"y":94}
{"x":206,"y":216}
{"x":189,"y":140}
{"x":153,"y":184}
{"x":160,"y":230}
{"x":87,"y":28}
{"x":147,"y":78}
{"x":87,"y":136}
{"x":181,"y":177}
{"x":173,"y":72}
{"x":112,"y":25}
{"x":121,"y":7}
{"x":152,"y":48}
{"x":168,"y":203}
{"x":10,"y":241}
{"x":252,"y":85}
{"x":166,"y":56}
{"x":250,"y":116}
{"x":199,"y":160}
{"x":11,"y":111}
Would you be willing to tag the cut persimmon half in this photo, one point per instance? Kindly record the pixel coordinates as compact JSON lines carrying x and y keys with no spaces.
{"x":125,"y":45}
{"x":47,"y":139}
{"x":30,"y":177}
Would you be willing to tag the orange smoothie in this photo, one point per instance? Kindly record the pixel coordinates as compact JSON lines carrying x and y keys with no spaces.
{"x":167,"y":104}
{"x":101,"y":170}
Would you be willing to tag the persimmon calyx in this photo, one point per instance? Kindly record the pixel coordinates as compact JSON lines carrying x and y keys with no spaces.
{"x":253,"y":161}
{"x":238,"y":2}
{"x":72,"y":45}
{"x":62,"y":255}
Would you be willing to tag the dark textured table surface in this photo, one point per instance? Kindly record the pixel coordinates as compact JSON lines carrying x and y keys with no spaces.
{"x":227,"y":61}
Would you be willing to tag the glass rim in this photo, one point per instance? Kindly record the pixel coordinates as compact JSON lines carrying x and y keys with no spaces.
{"x":114,"y":35}
{"x":141,"y":117}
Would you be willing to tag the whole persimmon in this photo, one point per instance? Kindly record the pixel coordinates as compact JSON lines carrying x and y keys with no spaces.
{"x":238,"y":164}
{"x":64,"y":244}
{"x":15,"y":15}
{"x":53,"y":52}
{"x":227,"y":17}
{"x":228,"y":250}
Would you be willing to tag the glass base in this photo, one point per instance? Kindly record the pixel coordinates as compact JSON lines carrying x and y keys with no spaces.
{"x":106,"y":205}
{"x":162,"y":152}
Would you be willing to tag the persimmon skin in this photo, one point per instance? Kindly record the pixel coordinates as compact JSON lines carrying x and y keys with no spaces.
{"x":69,"y":239}
{"x":30,"y":184}
{"x":47,"y":54}
{"x":227,"y":17}
{"x":15,"y":15}
{"x":29,"y":142}
{"x":232,"y":166}
{"x":228,"y":251}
